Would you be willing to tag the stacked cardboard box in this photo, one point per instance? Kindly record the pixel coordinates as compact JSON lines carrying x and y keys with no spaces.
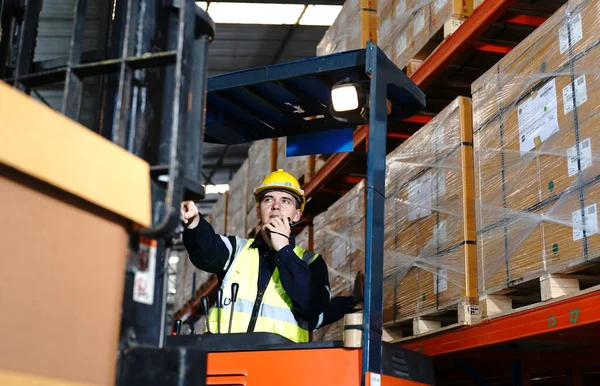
{"x":355,"y":25}
{"x":339,"y":236}
{"x":535,"y":121}
{"x":236,"y":207}
{"x":406,"y":26}
{"x":430,"y":262}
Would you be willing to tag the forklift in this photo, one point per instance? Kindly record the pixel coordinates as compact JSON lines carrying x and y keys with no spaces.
{"x":90,"y":215}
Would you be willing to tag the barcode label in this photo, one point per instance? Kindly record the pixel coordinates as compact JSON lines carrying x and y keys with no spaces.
{"x":591,"y":222}
{"x":584,"y":157}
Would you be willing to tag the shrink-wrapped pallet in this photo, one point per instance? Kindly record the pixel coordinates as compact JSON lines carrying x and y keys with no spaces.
{"x":406,"y":26}
{"x":535,"y":122}
{"x":339,"y":236}
{"x":259,"y":165}
{"x":355,"y":25}
{"x":430,"y":262}
{"x":236,"y":207}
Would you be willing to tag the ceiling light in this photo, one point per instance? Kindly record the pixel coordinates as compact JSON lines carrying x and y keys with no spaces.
{"x":323,"y":15}
{"x":255,"y":13}
{"x":202,"y":4}
{"x":173,"y":290}
{"x":173,"y":260}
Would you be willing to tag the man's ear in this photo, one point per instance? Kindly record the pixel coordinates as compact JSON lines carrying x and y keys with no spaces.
{"x":297,"y":216}
{"x":258,"y":213}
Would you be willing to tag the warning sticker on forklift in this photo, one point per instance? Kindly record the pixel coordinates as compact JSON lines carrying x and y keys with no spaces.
{"x":143,"y":285}
{"x":590,"y":216}
{"x":375,"y":379}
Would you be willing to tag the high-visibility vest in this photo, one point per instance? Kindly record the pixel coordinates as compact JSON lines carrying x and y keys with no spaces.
{"x":275,"y":312}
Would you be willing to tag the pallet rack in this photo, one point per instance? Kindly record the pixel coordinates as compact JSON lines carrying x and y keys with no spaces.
{"x":560,"y":325}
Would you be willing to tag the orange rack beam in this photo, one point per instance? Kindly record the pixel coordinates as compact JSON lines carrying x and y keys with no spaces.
{"x":549,"y":318}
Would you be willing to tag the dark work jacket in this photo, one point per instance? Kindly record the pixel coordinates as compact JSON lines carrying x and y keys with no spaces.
{"x":306,"y":284}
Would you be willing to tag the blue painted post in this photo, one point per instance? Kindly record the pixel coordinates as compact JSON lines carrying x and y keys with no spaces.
{"x":376,"y":154}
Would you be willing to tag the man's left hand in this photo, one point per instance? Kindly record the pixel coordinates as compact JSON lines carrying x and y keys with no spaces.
{"x":280,"y":232}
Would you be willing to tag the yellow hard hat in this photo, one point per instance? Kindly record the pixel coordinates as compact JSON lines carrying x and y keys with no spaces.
{"x":281,"y":180}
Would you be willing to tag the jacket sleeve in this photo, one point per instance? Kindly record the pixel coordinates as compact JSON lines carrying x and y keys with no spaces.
{"x":306,"y":284}
{"x":208,"y":251}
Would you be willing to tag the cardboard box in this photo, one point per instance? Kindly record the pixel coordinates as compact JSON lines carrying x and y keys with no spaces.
{"x":355,"y":25}
{"x":407,"y":26}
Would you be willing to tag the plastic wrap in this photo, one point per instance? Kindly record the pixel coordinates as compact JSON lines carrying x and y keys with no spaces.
{"x":296,"y":166}
{"x":339,"y":236}
{"x":406,"y":26}
{"x":352,"y":28}
{"x":236,"y":207}
{"x":259,"y":165}
{"x":536,"y":117}
{"x":429,"y":217}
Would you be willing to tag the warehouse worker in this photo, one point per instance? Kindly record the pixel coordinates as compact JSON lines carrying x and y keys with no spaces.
{"x":282,"y":287}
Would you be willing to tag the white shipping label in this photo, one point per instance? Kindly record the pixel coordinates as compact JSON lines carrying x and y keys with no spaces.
{"x":419,"y":198}
{"x":400,"y":7}
{"x":419,"y":22}
{"x":440,"y":282}
{"x":143,"y":285}
{"x":439,"y":233}
{"x":563,"y":38}
{"x":538,"y":117}
{"x":591,"y":222}
{"x":585,"y":152}
{"x":438,"y":5}
{"x":580,"y":94}
{"x":575,"y":28}
{"x":580,"y":90}
{"x":401,"y":45}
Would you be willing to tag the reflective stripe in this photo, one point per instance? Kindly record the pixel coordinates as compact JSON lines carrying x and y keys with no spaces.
{"x":320,"y":321}
{"x":281,"y":314}
{"x":266,"y":310}
{"x":308,"y":256}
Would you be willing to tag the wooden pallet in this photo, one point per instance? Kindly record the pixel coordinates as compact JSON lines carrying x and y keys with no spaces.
{"x":536,"y":291}
{"x":431,"y":322}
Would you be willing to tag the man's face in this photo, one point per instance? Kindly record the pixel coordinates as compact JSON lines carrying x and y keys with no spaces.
{"x":278,"y":204}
